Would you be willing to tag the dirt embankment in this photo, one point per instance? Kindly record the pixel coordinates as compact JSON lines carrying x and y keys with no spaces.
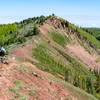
{"x":84,"y":56}
{"x":30,"y":83}
{"x":23,"y":81}
{"x":76,"y":51}
{"x":22,"y":53}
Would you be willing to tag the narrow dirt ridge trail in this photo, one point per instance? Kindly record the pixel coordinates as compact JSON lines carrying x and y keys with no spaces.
{"x":23,"y":52}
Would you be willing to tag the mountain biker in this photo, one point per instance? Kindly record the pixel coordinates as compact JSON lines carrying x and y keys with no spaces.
{"x":2,"y":54}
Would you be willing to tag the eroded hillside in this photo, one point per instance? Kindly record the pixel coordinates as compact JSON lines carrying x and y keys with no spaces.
{"x":52,"y":65}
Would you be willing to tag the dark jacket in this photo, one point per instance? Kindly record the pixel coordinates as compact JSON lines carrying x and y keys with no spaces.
{"x":2,"y":51}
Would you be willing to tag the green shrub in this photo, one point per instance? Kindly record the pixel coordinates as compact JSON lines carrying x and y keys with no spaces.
{"x":59,"y":38}
{"x":17,"y":82}
{"x":86,"y":35}
{"x":14,"y":89}
{"x":23,"y":97}
{"x":36,"y":31}
{"x":6,"y":31}
{"x":31,"y":94}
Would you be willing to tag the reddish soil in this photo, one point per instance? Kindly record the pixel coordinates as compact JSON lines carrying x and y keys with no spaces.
{"x":24,"y":52}
{"x":77,"y":52}
{"x":2,"y":97}
{"x":40,"y":83}
{"x":33,"y":83}
{"x":84,"y":56}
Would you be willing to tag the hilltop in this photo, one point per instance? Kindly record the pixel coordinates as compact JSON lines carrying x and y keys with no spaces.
{"x":49,"y":59}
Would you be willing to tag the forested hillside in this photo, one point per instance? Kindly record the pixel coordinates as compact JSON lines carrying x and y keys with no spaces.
{"x":94,"y":31}
{"x":19,"y":32}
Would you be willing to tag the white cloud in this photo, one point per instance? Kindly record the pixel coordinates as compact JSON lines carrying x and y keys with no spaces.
{"x":8,"y":19}
{"x":83,"y":21}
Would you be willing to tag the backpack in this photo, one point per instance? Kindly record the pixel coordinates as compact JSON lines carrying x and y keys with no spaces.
{"x":2,"y":51}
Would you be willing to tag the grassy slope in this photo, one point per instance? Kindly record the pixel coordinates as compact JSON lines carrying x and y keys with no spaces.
{"x":86,"y":35}
{"x":94,"y":31}
{"x":49,"y":62}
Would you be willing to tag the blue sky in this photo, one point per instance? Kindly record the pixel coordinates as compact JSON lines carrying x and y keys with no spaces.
{"x":80,"y":12}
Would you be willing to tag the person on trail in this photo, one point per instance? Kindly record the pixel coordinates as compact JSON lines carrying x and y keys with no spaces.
{"x":2,"y":54}
{"x":2,"y":51}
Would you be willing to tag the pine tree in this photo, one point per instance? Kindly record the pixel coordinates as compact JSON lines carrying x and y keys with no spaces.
{"x":67,"y":73}
{"x":98,"y":83}
{"x":90,"y":85}
{"x":83,"y":83}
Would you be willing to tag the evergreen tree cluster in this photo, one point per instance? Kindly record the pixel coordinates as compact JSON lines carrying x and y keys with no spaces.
{"x":87,"y":83}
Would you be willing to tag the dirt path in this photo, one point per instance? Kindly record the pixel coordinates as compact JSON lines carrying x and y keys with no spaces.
{"x":23,"y":52}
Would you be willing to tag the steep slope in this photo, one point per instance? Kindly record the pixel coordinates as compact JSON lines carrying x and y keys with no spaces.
{"x":75,"y":44}
{"x":94,"y":31}
{"x":62,"y":53}
{"x":23,"y":81}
